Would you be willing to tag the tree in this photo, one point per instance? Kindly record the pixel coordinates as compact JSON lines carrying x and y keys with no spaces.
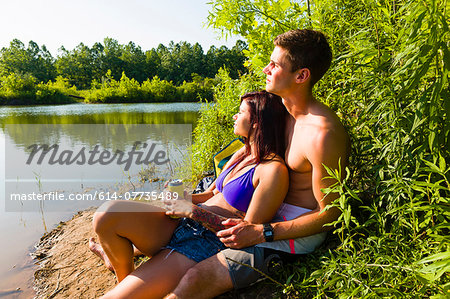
{"x":78,"y":65}
{"x":152,"y":63}
{"x":134,"y":61}
{"x":32,"y":60}
{"x":111,"y":59}
{"x":233,"y":60}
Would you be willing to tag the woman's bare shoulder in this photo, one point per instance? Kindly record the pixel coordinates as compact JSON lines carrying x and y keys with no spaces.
{"x":273,"y":164}
{"x":274,"y":159}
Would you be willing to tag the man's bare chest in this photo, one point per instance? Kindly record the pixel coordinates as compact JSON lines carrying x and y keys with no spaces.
{"x":297,"y":152}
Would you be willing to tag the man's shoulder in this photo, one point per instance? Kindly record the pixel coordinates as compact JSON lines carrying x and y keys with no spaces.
{"x":327,"y":124}
{"x":318,"y":137}
{"x":324,"y":115}
{"x":328,"y":133}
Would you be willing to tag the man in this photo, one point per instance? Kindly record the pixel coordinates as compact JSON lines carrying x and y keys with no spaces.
{"x":315,"y":138}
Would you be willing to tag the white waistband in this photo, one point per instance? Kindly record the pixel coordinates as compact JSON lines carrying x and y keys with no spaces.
{"x":289,"y":212}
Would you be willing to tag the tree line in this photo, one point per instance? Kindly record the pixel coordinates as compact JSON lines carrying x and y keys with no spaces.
{"x":86,"y":66}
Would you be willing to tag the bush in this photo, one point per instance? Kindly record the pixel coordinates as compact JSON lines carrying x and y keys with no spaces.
{"x":195,"y":91}
{"x":159,"y":90}
{"x":23,"y":89}
{"x":17,"y":87}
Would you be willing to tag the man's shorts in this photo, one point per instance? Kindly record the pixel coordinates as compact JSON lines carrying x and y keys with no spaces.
{"x":265,"y":259}
{"x":194,"y":241}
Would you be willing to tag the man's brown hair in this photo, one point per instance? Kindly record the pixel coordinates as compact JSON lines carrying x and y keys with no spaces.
{"x":306,"y":49}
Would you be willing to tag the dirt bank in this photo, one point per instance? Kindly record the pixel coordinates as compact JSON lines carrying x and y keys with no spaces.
{"x":67,"y":267}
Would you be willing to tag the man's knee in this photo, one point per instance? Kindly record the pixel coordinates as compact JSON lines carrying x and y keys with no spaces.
{"x":193,"y":276}
{"x":212,"y":272}
{"x":213,"y":269}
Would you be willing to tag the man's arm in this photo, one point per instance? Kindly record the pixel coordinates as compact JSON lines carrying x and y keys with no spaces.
{"x":328,"y":150}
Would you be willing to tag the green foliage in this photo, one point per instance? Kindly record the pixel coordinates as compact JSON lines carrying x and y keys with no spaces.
{"x":24,"y":89}
{"x":259,"y":21}
{"x":155,"y":90}
{"x":84,"y":64}
{"x":79,"y":65}
{"x":159,"y":89}
{"x":15,"y":85}
{"x":112,"y":91}
{"x":33,"y":60}
{"x":389,"y":85}
{"x":200,"y":89}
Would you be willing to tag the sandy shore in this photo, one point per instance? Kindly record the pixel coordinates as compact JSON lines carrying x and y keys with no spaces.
{"x":68,"y":269}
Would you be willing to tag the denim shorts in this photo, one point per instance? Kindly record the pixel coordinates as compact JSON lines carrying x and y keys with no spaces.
{"x":194,"y":241}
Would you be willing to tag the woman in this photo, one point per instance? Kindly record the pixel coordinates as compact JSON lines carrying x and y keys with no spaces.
{"x":252,"y":185}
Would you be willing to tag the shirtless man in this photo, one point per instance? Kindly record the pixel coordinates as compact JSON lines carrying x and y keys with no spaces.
{"x":315,"y":138}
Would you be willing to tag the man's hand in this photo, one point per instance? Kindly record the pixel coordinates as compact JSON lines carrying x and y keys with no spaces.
{"x":241,"y":234}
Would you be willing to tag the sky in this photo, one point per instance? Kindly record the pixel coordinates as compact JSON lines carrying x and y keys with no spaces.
{"x":147,"y":23}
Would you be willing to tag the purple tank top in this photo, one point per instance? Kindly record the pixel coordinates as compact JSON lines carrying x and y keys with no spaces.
{"x":239,"y":191}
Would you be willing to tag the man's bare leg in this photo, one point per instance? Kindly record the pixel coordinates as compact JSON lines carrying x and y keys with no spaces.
{"x":207,"y":279}
{"x":155,"y":278}
{"x":119,"y":226}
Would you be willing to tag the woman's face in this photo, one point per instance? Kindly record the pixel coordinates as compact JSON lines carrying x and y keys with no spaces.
{"x":242,"y":123}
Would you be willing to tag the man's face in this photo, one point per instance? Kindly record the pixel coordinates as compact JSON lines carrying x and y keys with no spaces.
{"x":279,"y":79}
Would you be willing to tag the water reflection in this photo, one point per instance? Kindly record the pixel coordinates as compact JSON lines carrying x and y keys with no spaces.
{"x":174,"y":113}
{"x":108,"y":136}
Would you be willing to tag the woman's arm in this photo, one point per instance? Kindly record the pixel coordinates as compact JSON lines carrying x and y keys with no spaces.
{"x":202,"y":197}
{"x":272,"y":186}
{"x":210,"y":220}
{"x":272,"y":181}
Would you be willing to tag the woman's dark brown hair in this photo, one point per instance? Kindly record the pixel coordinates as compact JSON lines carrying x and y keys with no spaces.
{"x":269,"y":114}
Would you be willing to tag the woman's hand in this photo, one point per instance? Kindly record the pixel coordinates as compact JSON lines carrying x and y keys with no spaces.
{"x":178,"y":208}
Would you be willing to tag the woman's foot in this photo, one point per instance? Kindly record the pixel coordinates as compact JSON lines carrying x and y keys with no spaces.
{"x":98,"y":250}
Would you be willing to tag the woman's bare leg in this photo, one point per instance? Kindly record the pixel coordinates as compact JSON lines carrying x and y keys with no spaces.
{"x":155,"y":278}
{"x":98,"y":250}
{"x":120,"y":224}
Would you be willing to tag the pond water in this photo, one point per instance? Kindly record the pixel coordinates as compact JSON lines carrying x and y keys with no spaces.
{"x":74,"y":126}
